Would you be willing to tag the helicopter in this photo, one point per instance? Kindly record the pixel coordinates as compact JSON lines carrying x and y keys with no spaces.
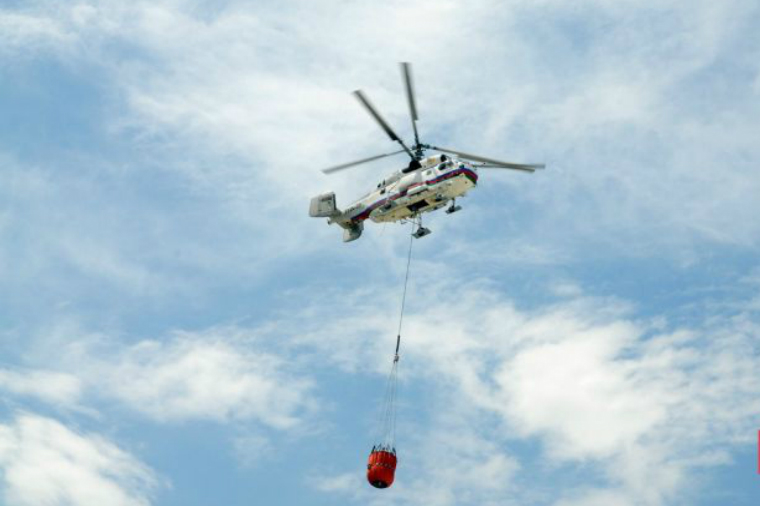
{"x":426,"y":184}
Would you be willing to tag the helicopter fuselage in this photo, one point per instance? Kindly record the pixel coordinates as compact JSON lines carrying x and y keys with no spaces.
{"x":404,"y":195}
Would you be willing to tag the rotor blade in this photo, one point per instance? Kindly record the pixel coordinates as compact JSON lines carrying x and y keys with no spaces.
{"x":513,"y":166}
{"x":490,"y":163}
{"x":406,"y":69}
{"x":380,"y":121}
{"x":342,"y":166}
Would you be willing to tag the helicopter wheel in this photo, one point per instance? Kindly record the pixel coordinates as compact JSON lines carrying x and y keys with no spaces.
{"x":421,"y":231}
{"x":453,"y":207}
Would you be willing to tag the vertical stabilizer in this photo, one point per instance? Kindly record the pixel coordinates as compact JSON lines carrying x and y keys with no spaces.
{"x":352,"y":231}
{"x":323,"y":206}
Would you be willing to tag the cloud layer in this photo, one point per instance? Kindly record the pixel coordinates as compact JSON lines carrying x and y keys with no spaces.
{"x":45,"y":462}
{"x":586,"y":335}
{"x":644,"y":403}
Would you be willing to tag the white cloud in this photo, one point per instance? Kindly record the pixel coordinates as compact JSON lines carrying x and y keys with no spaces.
{"x":50,"y":386}
{"x":598,"y":498}
{"x":56,"y":223}
{"x":454,"y":460}
{"x":25,"y":32}
{"x":220,"y":375}
{"x":577,"y":388}
{"x":343,"y":483}
{"x":45,"y":462}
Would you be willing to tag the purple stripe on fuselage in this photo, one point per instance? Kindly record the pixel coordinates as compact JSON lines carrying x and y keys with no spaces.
{"x":470,"y":174}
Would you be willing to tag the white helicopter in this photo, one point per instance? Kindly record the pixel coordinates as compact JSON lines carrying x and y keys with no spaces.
{"x":426,"y":184}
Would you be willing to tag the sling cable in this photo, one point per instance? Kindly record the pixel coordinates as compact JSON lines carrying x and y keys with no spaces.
{"x":381,"y":465}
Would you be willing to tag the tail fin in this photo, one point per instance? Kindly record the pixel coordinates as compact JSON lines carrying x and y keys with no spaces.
{"x":323,"y":206}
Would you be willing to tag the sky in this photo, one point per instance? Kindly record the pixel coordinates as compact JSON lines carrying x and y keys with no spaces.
{"x":175,"y":330}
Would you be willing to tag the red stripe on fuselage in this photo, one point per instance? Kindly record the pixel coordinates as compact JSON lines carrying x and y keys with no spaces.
{"x":470,"y":174}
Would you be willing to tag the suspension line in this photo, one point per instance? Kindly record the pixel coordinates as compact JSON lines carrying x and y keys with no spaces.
{"x":403,"y":297}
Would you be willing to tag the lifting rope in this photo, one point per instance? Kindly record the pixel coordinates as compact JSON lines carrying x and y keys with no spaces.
{"x":403,"y":297}
{"x":388,"y":435}
{"x":381,"y":465}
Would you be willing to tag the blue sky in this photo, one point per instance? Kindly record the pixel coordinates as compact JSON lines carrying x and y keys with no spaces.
{"x":175,"y":330}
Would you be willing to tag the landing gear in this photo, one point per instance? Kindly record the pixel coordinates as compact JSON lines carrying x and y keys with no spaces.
{"x":453,"y":208}
{"x":421,"y":231}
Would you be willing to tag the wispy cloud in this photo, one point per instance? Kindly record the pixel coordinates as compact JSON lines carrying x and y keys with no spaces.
{"x":585,"y":378}
{"x":46,"y":462}
{"x":49,"y":386}
{"x":620,"y":119}
{"x":218,"y":375}
{"x":647,"y":116}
